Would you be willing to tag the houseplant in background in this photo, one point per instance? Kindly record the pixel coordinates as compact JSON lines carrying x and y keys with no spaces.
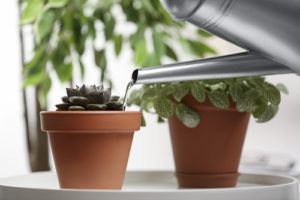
{"x":208,"y":121}
{"x":65,"y":31}
{"x":90,"y":137}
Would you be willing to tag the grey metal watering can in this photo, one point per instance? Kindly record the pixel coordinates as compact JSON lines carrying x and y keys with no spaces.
{"x":268,"y":29}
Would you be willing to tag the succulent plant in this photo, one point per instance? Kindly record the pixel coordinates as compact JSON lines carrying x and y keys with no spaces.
{"x":89,"y":98}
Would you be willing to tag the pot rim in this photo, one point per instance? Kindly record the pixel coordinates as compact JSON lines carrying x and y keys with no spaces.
{"x":89,"y":112}
{"x":90,"y":121}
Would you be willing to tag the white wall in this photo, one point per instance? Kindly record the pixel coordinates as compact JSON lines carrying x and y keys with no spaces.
{"x":151,"y":147}
{"x":13,"y":157}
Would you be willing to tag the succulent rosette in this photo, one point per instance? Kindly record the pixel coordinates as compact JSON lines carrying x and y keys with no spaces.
{"x":89,"y":98}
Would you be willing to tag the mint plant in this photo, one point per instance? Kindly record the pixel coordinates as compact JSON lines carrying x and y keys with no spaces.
{"x":251,"y":94}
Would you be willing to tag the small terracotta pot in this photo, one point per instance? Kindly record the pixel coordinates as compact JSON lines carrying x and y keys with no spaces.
{"x":90,"y":148}
{"x":208,"y":156}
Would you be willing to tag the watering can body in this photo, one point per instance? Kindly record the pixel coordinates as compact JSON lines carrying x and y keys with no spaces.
{"x":268,"y":29}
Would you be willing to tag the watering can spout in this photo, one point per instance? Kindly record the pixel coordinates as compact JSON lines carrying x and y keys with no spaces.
{"x":237,"y":65}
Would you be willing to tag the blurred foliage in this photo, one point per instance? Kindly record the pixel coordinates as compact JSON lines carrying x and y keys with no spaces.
{"x":62,"y":29}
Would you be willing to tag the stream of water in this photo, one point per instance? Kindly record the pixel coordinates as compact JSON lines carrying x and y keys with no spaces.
{"x":129,"y":85}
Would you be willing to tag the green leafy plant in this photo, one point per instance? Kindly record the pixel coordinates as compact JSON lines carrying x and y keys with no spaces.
{"x":62,"y":29}
{"x":251,"y":94}
{"x":89,"y":98}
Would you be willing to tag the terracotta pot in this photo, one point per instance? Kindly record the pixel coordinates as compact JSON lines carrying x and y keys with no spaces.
{"x":208,"y":156}
{"x":90,"y":148}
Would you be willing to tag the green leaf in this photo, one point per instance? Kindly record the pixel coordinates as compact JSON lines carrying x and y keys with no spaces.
{"x":158,"y":44}
{"x":181,"y":91}
{"x":118,"y":41}
{"x":34,"y":79}
{"x":165,"y":16}
{"x":147,"y":5}
{"x":143,"y":121}
{"x":185,"y":45}
{"x":219,"y":99}
{"x":79,"y":39}
{"x":170,"y":53}
{"x":152,"y":60}
{"x":164,"y":107}
{"x":256,"y":81}
{"x":138,"y":36}
{"x":46,"y":86}
{"x":57,"y":3}
{"x":44,"y":90}
{"x":64,"y":72}
{"x":140,"y":54}
{"x":146,"y":105}
{"x":100,"y":59}
{"x":60,"y":53}
{"x":82,"y":69}
{"x":259,"y":109}
{"x":198,"y":91}
{"x":271,"y":94}
{"x":204,"y":33}
{"x":282,"y":88}
{"x":200,"y":49}
{"x":99,"y":13}
{"x":109,"y":26}
{"x":160,"y":119}
{"x":92,"y":30}
{"x":44,"y":24}
{"x":236,"y":91}
{"x":32,"y":10}
{"x":247,"y":101}
{"x":134,"y":98}
{"x":187,"y":116}
{"x":38,"y":55}
{"x":268,"y":114}
{"x":148,"y":93}
{"x":166,"y":90}
{"x":67,"y":19}
{"x":131,"y":12}
{"x":212,"y":82}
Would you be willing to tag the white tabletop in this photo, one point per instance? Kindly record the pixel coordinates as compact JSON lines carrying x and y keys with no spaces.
{"x":149,"y":185}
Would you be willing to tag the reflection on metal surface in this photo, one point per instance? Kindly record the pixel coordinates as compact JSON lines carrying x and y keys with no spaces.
{"x":269,"y":29}
{"x":238,"y":65}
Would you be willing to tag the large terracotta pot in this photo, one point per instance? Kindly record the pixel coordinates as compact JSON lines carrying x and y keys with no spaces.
{"x":208,"y":156}
{"x":90,"y":148}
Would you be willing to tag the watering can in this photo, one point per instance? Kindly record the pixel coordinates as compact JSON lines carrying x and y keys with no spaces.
{"x":268,"y":29}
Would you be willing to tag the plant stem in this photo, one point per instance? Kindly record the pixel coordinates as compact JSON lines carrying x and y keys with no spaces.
{"x":22,"y":53}
{"x":39,"y":157}
{"x":37,"y":149}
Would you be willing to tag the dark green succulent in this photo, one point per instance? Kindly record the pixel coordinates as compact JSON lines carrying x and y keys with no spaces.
{"x":89,"y":98}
